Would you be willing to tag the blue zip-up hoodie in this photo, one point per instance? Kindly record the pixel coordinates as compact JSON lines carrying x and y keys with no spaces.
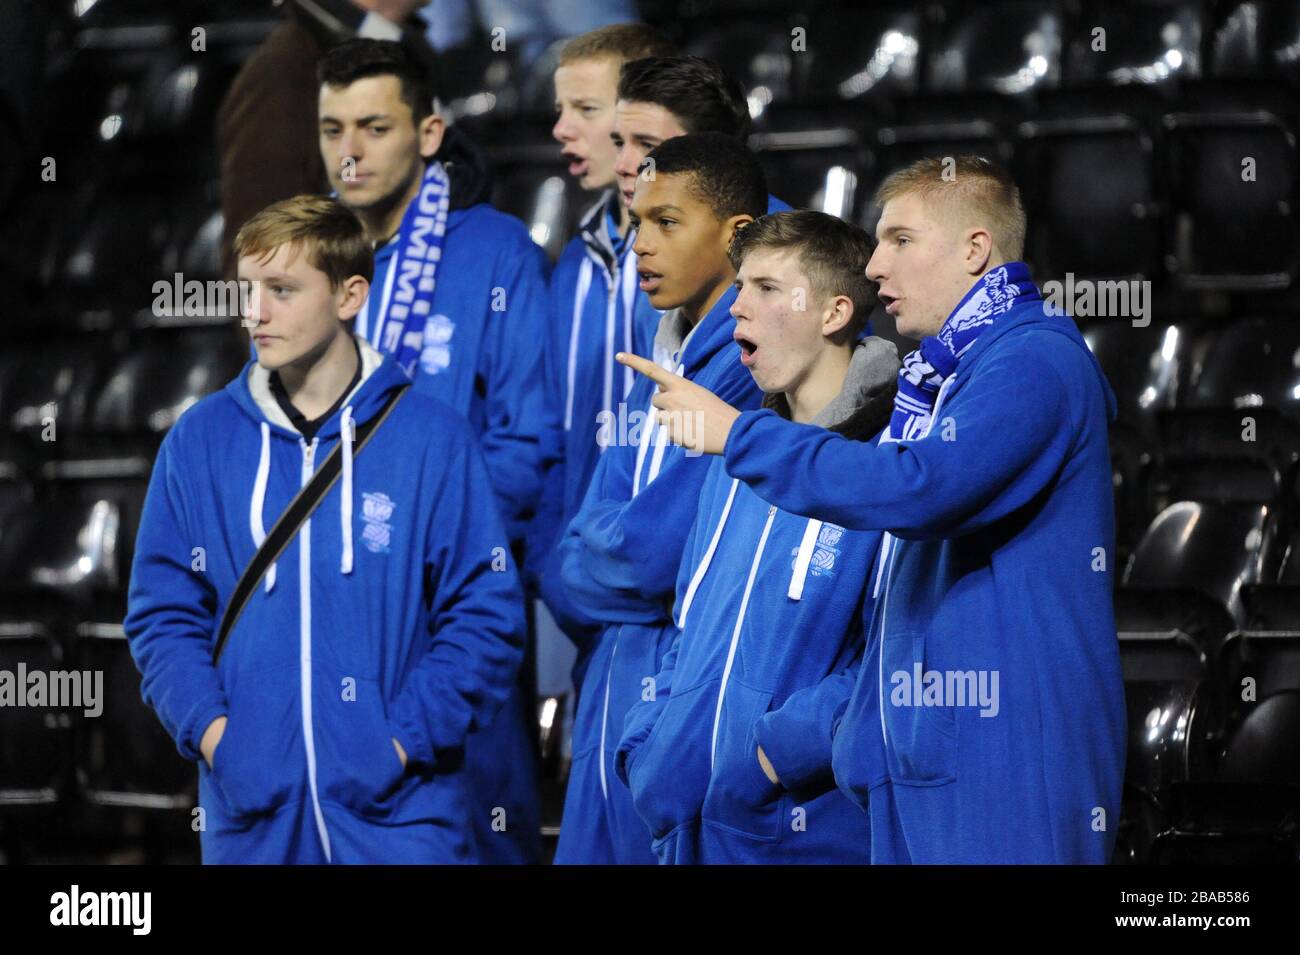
{"x":596,"y":310}
{"x":395,"y":612}
{"x":482,"y":352}
{"x":999,"y":562}
{"x":482,"y":356}
{"x":770,"y":608}
{"x":620,"y":556}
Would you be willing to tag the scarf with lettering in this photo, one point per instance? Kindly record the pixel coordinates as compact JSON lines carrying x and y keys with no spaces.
{"x":407,"y":300}
{"x":926,"y":369}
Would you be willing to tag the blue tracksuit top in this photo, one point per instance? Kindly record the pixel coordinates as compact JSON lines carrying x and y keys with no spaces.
{"x":620,"y":556}
{"x":482,"y":352}
{"x":482,"y":356}
{"x":419,"y":640}
{"x":596,"y":310}
{"x":769,"y":605}
{"x":999,"y":563}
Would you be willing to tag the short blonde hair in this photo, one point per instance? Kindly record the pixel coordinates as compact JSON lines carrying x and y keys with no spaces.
{"x":329,"y":231}
{"x":621,"y":42}
{"x":974,"y":189}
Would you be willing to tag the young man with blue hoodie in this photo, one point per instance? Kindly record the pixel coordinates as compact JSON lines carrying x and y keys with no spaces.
{"x":988,"y":724}
{"x":596,"y":306}
{"x":332,"y":725}
{"x":458,"y":300}
{"x":620,"y":554}
{"x":730,"y":760}
{"x":593,"y":298}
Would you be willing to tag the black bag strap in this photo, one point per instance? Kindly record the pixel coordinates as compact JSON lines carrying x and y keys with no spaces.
{"x":295,"y":515}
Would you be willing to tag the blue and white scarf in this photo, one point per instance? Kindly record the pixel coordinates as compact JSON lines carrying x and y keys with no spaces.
{"x":925,"y":370}
{"x":406,"y":304}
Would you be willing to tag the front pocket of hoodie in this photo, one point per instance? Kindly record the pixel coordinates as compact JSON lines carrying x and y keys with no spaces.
{"x":356,"y":761}
{"x":922,"y":738}
{"x":741,"y":798}
{"x":669,"y":773}
{"x":250,"y":765}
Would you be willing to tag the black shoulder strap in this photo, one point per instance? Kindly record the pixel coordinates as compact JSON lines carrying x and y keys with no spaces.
{"x":294,"y":516}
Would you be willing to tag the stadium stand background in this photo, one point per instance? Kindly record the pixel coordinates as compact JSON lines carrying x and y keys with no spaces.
{"x":1131,"y":163}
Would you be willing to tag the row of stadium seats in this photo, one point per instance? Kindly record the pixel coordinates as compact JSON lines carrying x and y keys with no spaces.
{"x":1179,"y":209}
{"x":824,"y":50}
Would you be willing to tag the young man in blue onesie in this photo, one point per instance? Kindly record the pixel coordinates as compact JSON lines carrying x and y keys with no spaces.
{"x":620,"y":554}
{"x":730,"y":762}
{"x":332,"y":727}
{"x":593,"y":304}
{"x":459,"y":299}
{"x":596,"y":312}
{"x":988,"y":721}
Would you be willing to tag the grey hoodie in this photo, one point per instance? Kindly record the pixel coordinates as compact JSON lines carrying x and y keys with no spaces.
{"x":866,"y":400}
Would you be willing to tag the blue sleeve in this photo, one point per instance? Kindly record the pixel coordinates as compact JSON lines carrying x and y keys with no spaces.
{"x":545,"y":526}
{"x":621,"y":553}
{"x":476,"y":622}
{"x":172,"y":610}
{"x":996,"y":444}
{"x":512,"y":361}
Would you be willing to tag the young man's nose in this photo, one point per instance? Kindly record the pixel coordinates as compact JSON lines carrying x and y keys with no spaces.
{"x":349,"y":146}
{"x":624,"y":164}
{"x":876,"y":265}
{"x":563,"y":131}
{"x":740,"y":307}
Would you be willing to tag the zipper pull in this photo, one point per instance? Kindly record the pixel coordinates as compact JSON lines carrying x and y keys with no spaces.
{"x":771,"y":509}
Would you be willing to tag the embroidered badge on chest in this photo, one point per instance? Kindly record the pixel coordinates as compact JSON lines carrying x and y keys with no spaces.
{"x":376,"y":510}
{"x":827,"y":551}
{"x":436,"y":354}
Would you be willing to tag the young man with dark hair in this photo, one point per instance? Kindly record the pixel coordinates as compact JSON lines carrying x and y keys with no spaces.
{"x":620,"y":554}
{"x":333,"y":725}
{"x":585,"y":383}
{"x":593,"y":301}
{"x":730,"y":762}
{"x":458,"y":300}
{"x":988,"y":723}
{"x":266,"y":124}
{"x":664,"y":97}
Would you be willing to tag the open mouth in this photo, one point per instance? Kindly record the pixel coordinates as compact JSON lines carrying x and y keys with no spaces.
{"x":649,"y":281}
{"x":747,"y":350}
{"x":890,"y":302}
{"x":577,"y":164}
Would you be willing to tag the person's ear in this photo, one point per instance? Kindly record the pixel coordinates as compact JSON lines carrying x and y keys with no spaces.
{"x":352,"y":294}
{"x":838,"y":315}
{"x":979,"y":251}
{"x":430,"y":133}
{"x":731,"y":228}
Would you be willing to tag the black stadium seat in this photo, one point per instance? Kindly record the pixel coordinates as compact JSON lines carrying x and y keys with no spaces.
{"x":866,"y":55}
{"x":1232,"y":172}
{"x":1214,"y":548}
{"x":1244,"y":401}
{"x":758,"y":52}
{"x":1149,"y":44}
{"x":1009,"y":48}
{"x":1091,"y":225}
{"x":124,"y":756}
